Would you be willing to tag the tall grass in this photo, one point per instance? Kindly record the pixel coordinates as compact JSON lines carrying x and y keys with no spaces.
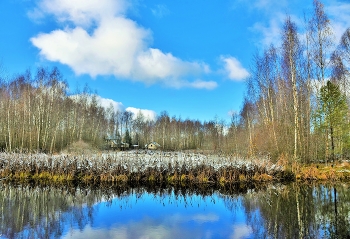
{"x":141,"y":166}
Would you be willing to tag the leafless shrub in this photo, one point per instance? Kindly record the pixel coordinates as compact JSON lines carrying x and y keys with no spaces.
{"x":138,"y":167}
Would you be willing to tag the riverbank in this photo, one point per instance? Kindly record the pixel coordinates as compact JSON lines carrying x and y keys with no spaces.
{"x":158,"y":167}
{"x":339,"y":171}
{"x":139,"y":167}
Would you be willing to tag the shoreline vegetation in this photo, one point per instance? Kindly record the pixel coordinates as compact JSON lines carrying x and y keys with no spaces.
{"x":139,"y":167}
{"x":145,"y":167}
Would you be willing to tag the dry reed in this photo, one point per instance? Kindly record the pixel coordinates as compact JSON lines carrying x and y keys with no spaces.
{"x":155,"y":167}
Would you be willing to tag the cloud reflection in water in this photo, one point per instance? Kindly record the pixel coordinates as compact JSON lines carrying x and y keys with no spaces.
{"x":151,"y":216}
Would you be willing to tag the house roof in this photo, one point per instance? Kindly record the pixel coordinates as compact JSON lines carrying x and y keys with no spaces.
{"x":155,"y":143}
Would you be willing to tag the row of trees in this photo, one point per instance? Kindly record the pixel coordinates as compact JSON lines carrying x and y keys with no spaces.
{"x":172,"y":133}
{"x":38,"y":115}
{"x":297,"y":94}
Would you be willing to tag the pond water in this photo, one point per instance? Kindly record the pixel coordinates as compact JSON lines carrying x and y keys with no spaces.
{"x":266,"y":211}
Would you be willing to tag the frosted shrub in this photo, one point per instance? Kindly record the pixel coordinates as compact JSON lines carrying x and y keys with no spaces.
{"x":138,"y":166}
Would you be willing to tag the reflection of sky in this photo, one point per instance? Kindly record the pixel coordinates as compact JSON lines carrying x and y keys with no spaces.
{"x":154,"y":216}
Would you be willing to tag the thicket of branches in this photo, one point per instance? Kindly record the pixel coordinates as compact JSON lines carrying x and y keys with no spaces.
{"x":37,"y":114}
{"x":297,"y":100}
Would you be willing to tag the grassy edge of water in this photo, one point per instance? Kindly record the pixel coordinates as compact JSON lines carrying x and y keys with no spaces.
{"x":153,"y":177}
{"x":199,"y":175}
{"x":311,"y":172}
{"x":322,"y":172}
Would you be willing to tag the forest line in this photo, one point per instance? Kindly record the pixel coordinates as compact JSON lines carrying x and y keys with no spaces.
{"x":39,"y":115}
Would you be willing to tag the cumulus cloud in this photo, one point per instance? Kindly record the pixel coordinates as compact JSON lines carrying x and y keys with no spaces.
{"x":79,"y":12}
{"x":155,"y":64}
{"x":98,"y":39}
{"x":107,"y":103}
{"x":234,"y":69}
{"x":119,"y":107}
{"x":147,"y":114}
{"x":111,"y":49}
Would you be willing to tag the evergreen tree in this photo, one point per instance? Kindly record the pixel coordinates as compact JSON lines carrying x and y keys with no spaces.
{"x":331,"y":118}
{"x":127,"y":137}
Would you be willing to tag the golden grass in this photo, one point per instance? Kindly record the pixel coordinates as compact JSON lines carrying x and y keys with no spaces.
{"x":151,"y":178}
{"x":312,"y":172}
{"x":262,"y":177}
{"x":121,"y":178}
{"x":323,"y":172}
{"x":183,"y":178}
{"x":242,"y":178}
{"x":222,"y":180}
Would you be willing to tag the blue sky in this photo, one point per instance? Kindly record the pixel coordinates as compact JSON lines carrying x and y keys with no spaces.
{"x":190,"y":58}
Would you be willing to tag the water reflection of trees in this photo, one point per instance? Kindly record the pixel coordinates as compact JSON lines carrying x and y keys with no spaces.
{"x":299,"y":211}
{"x":273,"y":211}
{"x":42,"y":212}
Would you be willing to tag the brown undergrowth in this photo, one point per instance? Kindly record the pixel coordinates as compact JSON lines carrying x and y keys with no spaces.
{"x":339,"y":171}
{"x":138,"y":168}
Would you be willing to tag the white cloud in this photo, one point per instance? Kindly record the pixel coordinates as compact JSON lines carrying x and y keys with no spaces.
{"x":160,"y":10}
{"x":118,"y":106}
{"x":199,"y":84}
{"x":204,"y":218}
{"x":268,"y":28}
{"x":339,"y":13}
{"x":79,"y":12}
{"x":111,"y":49}
{"x":234,"y":69}
{"x":276,"y":11}
{"x":106,"y":103}
{"x":148,"y":114}
{"x":155,"y":64}
{"x":269,"y":5}
{"x":90,"y":232}
{"x":232,"y":113}
{"x":170,"y":226}
{"x":99,"y":40}
{"x":269,"y":33}
{"x":263,"y":6}
{"x":241,"y":231}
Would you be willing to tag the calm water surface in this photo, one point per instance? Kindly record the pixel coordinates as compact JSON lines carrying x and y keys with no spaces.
{"x":271,"y":211}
